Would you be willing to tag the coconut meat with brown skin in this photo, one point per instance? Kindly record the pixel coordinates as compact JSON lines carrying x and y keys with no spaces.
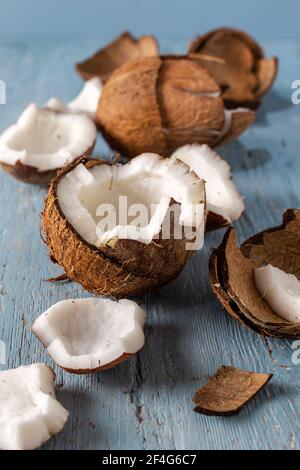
{"x":29,"y":411}
{"x":280,"y":290}
{"x":92,"y":333}
{"x":148,"y":184}
{"x":86,"y":102}
{"x":222,"y":196}
{"x":45,"y":139}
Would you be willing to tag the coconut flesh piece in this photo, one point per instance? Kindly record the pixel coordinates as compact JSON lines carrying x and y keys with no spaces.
{"x":86,"y":102}
{"x":149,"y":180}
{"x":29,"y":412}
{"x":280,"y":290}
{"x":87,"y":335}
{"x":46,"y":140}
{"x":222,"y":196}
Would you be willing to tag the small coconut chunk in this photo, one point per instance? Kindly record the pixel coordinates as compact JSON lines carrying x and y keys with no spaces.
{"x":228,"y":391}
{"x":88,"y":335}
{"x":46,"y":140}
{"x":29,"y":411}
{"x":280,"y":290}
{"x":101,"y":202}
{"x":86,"y":102}
{"x":222,"y":196}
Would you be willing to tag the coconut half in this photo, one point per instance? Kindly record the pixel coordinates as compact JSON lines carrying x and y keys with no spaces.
{"x":89,"y":335}
{"x":29,"y":412}
{"x":43,"y":141}
{"x":125,"y":229}
{"x":232,"y":275}
{"x":224,"y":203}
{"x":86,"y":102}
{"x":123,"y":49}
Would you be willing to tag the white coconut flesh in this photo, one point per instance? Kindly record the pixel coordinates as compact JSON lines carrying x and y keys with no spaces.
{"x":86,"y":102}
{"x":86,"y":334}
{"x":222,"y":196}
{"x":29,"y":411}
{"x":131,"y":201}
{"x":45,"y":139}
{"x":281,"y":291}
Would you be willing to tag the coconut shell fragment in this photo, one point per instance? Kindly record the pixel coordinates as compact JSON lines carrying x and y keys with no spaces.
{"x":232,"y":274}
{"x":228,"y":391}
{"x":157,"y":104}
{"x":238,"y":64}
{"x":123,"y":49}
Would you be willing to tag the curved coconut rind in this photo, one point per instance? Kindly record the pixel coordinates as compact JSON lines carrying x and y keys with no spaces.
{"x":29,"y":174}
{"x":228,"y":391}
{"x":112,"y":364}
{"x":123,"y":49}
{"x":215,"y":222}
{"x":231,"y":274}
{"x":267,"y":72}
{"x":84,"y":263}
{"x":248,"y":92}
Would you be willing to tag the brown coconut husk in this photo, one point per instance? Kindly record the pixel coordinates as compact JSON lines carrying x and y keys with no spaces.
{"x":31,"y":175}
{"x":123,"y":49}
{"x":114,"y":269}
{"x":228,"y":391}
{"x":232,"y":281}
{"x":156,"y":104}
{"x":238,"y":64}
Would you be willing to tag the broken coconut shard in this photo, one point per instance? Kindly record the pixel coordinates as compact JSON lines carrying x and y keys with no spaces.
{"x":141,"y":245}
{"x":123,"y":49}
{"x":43,"y":141}
{"x":29,"y":411}
{"x":238,"y":64}
{"x":157,"y":104}
{"x":90,"y":335}
{"x":232,"y":271}
{"x":228,"y":391}
{"x":224,"y":203}
{"x":86,"y":102}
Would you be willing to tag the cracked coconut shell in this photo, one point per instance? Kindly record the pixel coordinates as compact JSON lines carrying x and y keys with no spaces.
{"x":232,"y":278}
{"x":122,"y":268}
{"x":238,"y":64}
{"x":157,"y":104}
{"x":228,"y":391}
{"x":123,"y":49}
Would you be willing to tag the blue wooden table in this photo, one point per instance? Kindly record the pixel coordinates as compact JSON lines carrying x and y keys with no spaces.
{"x":146,"y":402}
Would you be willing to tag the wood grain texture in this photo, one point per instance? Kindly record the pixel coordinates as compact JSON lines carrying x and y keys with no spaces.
{"x":146,"y":402}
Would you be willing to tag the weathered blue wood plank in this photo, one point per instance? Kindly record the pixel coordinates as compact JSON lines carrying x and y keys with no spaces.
{"x":146,"y":402}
